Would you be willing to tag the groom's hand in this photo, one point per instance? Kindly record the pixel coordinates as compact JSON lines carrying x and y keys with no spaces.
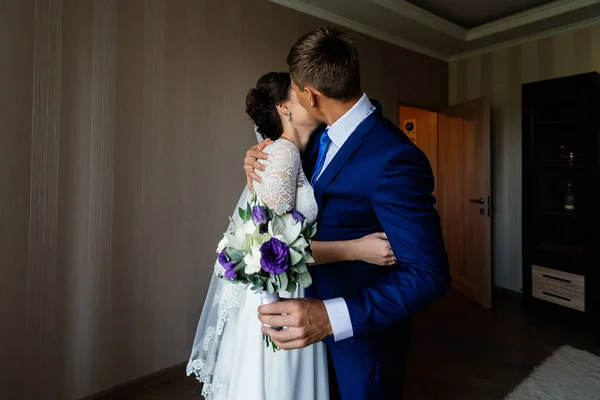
{"x":251,"y":162}
{"x":306,"y":320}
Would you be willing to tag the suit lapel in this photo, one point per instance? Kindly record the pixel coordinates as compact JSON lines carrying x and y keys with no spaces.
{"x":343,"y":155}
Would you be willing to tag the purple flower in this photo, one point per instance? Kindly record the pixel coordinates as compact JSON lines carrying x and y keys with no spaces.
{"x":228,"y":265}
{"x":230,"y":274}
{"x":275,"y":256}
{"x":259,"y":215}
{"x":298,"y":216}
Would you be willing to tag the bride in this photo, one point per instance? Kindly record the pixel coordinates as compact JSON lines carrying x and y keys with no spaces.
{"x":229,"y":355}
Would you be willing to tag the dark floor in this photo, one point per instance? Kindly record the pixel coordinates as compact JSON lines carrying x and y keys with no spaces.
{"x":458,"y":351}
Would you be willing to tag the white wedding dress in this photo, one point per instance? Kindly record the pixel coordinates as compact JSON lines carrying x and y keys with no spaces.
{"x":229,"y":354}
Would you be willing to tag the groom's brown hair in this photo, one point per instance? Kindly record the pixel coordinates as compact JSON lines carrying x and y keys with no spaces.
{"x":327,"y":60}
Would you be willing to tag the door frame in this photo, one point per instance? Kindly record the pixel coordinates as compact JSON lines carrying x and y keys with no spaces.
{"x":482,"y":107}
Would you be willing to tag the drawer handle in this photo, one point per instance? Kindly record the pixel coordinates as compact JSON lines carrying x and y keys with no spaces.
{"x":556,"y":296}
{"x":556,"y":279}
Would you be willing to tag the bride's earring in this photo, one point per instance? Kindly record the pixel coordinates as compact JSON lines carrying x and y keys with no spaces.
{"x":289,"y":118}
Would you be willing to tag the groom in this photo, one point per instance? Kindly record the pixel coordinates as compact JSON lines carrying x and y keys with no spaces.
{"x":368,"y":177}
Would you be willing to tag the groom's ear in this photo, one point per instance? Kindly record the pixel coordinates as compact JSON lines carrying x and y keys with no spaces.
{"x":312,"y":95}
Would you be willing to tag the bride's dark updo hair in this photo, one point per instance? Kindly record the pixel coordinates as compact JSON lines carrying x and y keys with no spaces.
{"x":271,"y":89}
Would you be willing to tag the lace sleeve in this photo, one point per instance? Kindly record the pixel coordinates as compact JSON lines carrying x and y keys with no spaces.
{"x":278,"y":188}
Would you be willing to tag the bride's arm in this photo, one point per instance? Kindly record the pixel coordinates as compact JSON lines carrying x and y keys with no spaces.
{"x":278,"y":180}
{"x":278,"y":188}
{"x":372,"y":249}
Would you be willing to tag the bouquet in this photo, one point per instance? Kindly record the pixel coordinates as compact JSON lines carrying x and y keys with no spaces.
{"x":268,"y":249}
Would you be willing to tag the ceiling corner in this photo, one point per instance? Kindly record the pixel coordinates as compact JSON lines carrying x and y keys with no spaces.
{"x":438,"y":38}
{"x":528,"y":17}
{"x":406,"y":9}
{"x":320,"y":13}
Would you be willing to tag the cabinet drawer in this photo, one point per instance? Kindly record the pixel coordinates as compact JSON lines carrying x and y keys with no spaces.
{"x":557,"y":295}
{"x":558,"y":279}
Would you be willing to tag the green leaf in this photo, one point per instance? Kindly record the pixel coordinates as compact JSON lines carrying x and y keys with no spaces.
{"x":246,"y":214}
{"x":306,"y":232}
{"x":240,"y":266}
{"x":308,"y":258}
{"x":283,"y":281}
{"x":260,"y":239}
{"x":291,"y":287}
{"x":257,"y":287}
{"x":301,"y":268}
{"x":234,"y":255}
{"x":258,"y":282}
{"x":295,"y":256}
{"x":270,"y":287}
{"x":313,"y":231}
{"x":305,"y":280}
{"x":269,"y":342}
{"x":300,"y":244}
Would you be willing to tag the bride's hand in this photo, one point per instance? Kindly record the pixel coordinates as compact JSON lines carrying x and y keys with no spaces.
{"x":251,"y":162}
{"x":374,"y":249}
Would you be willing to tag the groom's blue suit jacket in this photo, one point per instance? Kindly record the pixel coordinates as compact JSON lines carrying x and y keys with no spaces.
{"x":378,"y":181}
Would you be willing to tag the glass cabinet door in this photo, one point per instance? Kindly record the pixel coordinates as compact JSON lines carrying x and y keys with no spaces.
{"x":563,"y":163}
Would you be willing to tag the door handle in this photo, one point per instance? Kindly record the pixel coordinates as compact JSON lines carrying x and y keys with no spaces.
{"x":480,"y":200}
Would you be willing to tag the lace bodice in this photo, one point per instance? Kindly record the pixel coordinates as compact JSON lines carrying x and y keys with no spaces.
{"x":284,"y":183}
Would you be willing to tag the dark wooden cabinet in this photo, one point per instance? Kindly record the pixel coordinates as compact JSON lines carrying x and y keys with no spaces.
{"x":561,"y":202}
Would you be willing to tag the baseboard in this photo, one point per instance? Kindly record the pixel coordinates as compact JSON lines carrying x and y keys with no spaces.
{"x":507,"y":292}
{"x":135,"y":384}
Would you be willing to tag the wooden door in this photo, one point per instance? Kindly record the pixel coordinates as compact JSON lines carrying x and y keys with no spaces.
{"x":464,"y":194}
{"x":421,"y":126}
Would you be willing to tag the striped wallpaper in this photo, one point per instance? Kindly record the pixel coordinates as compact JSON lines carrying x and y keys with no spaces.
{"x":498,"y":75}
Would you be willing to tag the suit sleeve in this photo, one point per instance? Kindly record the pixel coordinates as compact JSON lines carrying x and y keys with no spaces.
{"x":403,"y":202}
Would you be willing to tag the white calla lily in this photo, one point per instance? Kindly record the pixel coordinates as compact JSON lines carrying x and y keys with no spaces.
{"x":222,"y":244}
{"x":242,"y":236}
{"x":292,"y":228}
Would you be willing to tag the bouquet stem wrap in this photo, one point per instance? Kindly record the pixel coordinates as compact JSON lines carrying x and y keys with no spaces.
{"x":268,"y":298}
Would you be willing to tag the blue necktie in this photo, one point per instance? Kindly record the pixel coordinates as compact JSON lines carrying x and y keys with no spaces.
{"x":323,"y":145}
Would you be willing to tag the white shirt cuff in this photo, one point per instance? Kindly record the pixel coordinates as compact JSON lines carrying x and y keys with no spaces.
{"x":339,"y":318}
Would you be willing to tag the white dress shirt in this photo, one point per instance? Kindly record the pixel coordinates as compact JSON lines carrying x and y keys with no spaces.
{"x":339,"y":132}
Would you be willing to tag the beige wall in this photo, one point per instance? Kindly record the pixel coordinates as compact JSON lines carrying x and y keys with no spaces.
{"x":122,"y":130}
{"x":498,"y":75}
